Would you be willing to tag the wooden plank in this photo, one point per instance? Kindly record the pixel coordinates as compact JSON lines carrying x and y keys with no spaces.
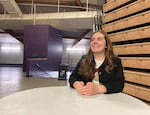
{"x":134,"y":34}
{"x":138,"y":48}
{"x":127,"y":10}
{"x":136,"y":62}
{"x":108,"y":6}
{"x":113,"y":4}
{"x":137,"y":77}
{"x":137,"y":91}
{"x":128,"y":22}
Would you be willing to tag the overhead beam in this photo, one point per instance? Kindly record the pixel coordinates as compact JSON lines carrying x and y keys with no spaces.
{"x":2,"y":31}
{"x":81,"y":37}
{"x":11,"y":7}
{"x":69,"y":37}
{"x":79,"y":3}
{"x":18,"y":36}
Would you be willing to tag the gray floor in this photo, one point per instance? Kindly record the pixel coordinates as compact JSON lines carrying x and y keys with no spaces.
{"x":12,"y":79}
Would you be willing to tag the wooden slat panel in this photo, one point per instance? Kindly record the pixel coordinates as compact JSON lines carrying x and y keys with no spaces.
{"x":113,"y":4}
{"x":134,"y":34}
{"x":137,"y":77}
{"x":129,"y":9}
{"x":136,"y":62}
{"x":139,"y":48}
{"x":137,"y":91}
{"x":108,"y":6}
{"x":128,"y":22}
{"x":140,"y":78}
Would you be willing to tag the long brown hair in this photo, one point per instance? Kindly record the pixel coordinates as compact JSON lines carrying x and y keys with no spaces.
{"x":87,"y":66}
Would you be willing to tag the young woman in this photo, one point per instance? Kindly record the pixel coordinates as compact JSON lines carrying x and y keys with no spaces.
{"x":99,"y":63}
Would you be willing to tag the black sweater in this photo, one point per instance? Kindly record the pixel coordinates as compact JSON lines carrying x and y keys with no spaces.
{"x":114,"y":81}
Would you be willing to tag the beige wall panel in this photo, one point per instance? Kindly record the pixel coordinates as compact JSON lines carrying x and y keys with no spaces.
{"x":139,"y":48}
{"x":137,"y":91}
{"x":137,"y":77}
{"x":129,"y":9}
{"x":134,"y":34}
{"x":128,"y":22}
{"x":136,"y":62}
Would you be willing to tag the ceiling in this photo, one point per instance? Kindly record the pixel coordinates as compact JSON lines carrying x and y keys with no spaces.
{"x":69,"y":16}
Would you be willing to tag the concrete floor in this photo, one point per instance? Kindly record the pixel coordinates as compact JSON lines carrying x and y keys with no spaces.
{"x":12,"y":79}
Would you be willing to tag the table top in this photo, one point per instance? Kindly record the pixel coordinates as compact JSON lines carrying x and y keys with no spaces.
{"x":65,"y":100}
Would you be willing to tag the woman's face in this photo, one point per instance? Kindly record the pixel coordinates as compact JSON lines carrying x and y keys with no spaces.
{"x":98,"y":43}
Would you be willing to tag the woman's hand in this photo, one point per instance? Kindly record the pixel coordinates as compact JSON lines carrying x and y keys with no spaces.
{"x":92,"y":89}
{"x":89,"y":89}
{"x":78,"y":85}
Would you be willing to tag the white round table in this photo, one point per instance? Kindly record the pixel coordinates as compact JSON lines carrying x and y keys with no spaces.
{"x":65,"y":101}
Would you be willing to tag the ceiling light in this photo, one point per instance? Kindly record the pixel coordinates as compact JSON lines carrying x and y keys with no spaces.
{"x":75,"y":49}
{"x":10,"y":48}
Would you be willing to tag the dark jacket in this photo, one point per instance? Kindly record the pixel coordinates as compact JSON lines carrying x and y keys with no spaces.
{"x":114,"y":81}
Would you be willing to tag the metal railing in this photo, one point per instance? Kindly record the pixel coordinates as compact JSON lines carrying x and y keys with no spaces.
{"x":34,"y":7}
{"x":56,"y":8}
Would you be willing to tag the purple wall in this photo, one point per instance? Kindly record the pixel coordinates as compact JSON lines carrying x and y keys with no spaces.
{"x":42,"y":42}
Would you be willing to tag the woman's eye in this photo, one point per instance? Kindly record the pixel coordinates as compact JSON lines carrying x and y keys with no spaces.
{"x":100,"y":38}
{"x":92,"y":39}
